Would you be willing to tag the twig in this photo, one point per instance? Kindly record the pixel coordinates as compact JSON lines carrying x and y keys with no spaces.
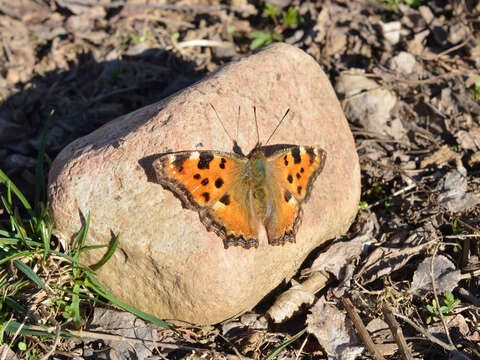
{"x":424,"y":332}
{"x":443,"y":53}
{"x":396,"y":193}
{"x":237,"y":352}
{"x":456,"y":354}
{"x":391,"y":78}
{"x":194,"y":8}
{"x":106,"y":336}
{"x":470,"y":275}
{"x":469,"y":296}
{"x":462,"y":236}
{"x":301,"y":347}
{"x":205,"y":43}
{"x":361,"y":329}
{"x":397,"y":333}
{"x":54,"y":346}
{"x":467,"y":225}
{"x":437,"y":303}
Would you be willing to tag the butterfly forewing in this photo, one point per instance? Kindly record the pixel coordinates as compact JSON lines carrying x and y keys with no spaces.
{"x":211,"y":183}
{"x":290,"y":174}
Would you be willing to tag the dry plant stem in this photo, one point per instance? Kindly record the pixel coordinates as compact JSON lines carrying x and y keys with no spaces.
{"x":301,"y":347}
{"x":361,"y":329}
{"x":105,"y":336}
{"x":316,"y":282}
{"x":237,"y":352}
{"x":432,"y":276}
{"x":204,"y":43}
{"x":433,"y":339}
{"x":396,"y":193}
{"x":54,"y":346}
{"x":469,"y":296}
{"x":397,"y":333}
{"x":391,"y":78}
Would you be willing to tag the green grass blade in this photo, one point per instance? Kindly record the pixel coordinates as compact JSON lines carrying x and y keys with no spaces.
{"x":12,"y":240}
{"x":13,"y":326}
{"x":4,"y":179}
{"x":19,"y":225}
{"x":7,"y":206}
{"x":96,"y":286}
{"x":79,"y":240}
{"x":16,"y":255}
{"x":78,"y":243}
{"x":45,"y":234}
{"x":108,"y":254}
{"x":39,"y":173}
{"x":29,"y":273}
{"x":285,"y":344}
{"x":12,"y":304}
{"x":76,"y":306}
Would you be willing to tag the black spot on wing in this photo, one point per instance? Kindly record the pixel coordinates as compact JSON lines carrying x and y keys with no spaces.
{"x":287,"y":195}
{"x":298,"y":176}
{"x":206,"y":196}
{"x":204,"y":161}
{"x":204,"y":181}
{"x":179,"y":160}
{"x":299,"y":189}
{"x":296,"y":155}
{"x":285,"y":160}
{"x":197,"y":176}
{"x":225,"y":199}
{"x":302,"y":170}
{"x":290,"y":178}
{"x":222,"y":163}
{"x":218,"y":183}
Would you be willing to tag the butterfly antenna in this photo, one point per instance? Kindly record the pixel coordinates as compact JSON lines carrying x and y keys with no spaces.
{"x":221,"y":123}
{"x":256,"y":124}
{"x":278,"y":125}
{"x":236,"y":148}
{"x":238,"y":122}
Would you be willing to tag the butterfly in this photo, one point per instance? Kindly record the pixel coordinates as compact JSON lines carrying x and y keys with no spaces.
{"x":236,"y":194}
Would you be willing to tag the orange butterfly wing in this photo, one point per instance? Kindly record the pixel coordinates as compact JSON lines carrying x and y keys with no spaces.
{"x":290,"y":174}
{"x":211,"y":183}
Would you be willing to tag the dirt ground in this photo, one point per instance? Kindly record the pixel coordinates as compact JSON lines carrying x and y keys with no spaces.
{"x":407,"y":74}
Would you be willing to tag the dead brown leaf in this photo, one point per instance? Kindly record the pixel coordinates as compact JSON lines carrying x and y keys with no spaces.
{"x":333,"y":331}
{"x":444,"y":273}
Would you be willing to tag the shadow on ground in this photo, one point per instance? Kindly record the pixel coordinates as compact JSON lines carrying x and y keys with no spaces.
{"x":83,"y":98}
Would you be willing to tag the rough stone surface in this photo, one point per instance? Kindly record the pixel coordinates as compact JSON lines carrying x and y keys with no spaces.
{"x":167,"y":264}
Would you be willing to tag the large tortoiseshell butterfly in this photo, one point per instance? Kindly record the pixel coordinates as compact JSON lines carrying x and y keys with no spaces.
{"x":235,"y":194}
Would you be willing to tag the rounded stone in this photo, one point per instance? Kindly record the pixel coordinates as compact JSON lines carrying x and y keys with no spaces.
{"x":167,"y":264}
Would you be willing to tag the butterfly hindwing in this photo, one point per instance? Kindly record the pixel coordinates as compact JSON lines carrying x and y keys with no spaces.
{"x":210,"y":182}
{"x":290,"y":174}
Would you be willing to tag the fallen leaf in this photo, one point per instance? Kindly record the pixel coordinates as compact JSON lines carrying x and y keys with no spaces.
{"x":127,"y":325}
{"x":341,"y":253}
{"x":289,"y":302}
{"x":439,"y":157}
{"x":383,"y":261}
{"x":6,"y":353}
{"x":444,"y":273}
{"x":454,"y":196}
{"x":333,"y":331}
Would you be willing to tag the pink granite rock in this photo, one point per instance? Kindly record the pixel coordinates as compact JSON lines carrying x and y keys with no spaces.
{"x":167,"y":264}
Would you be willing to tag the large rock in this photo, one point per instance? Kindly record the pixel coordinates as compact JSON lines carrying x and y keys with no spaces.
{"x":167,"y":264}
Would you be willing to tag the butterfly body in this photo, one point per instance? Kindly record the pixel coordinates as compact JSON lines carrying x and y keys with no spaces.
{"x":236,"y":195}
